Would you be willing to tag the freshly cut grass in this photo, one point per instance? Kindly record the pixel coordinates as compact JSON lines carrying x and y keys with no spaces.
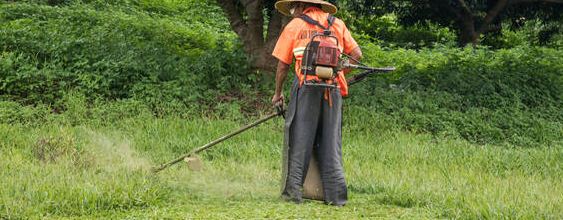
{"x":102,"y":171}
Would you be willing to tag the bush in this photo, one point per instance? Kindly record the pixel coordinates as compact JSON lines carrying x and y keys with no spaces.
{"x":533,"y":32}
{"x":387,"y":31}
{"x":89,"y":59}
{"x":13,"y":112}
{"x":504,"y":96}
{"x":111,"y":50}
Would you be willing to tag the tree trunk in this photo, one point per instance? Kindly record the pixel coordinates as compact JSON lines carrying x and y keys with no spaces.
{"x":467,"y":32}
{"x":466,"y":22}
{"x":246,"y":18}
{"x":267,"y":62}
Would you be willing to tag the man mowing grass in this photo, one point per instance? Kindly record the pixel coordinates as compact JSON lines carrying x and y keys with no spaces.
{"x":313,"y":120}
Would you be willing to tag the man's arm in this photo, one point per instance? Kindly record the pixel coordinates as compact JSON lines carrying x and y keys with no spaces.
{"x":357,"y":55}
{"x":281,"y":75}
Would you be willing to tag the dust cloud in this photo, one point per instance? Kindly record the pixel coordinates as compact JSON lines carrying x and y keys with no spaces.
{"x":114,"y":153}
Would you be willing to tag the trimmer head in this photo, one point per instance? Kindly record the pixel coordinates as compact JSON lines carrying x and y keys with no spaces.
{"x":194,"y":163}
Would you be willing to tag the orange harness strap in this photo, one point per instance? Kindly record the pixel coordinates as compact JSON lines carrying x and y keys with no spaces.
{"x":328,"y":97}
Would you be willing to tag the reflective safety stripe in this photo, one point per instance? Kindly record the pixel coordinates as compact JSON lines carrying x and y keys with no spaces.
{"x":298,"y":52}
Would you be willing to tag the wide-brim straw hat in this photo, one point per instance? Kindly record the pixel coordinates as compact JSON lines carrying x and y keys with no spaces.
{"x":283,"y":6}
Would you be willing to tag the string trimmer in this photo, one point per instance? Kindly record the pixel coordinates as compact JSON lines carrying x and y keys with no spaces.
{"x":194,"y":162}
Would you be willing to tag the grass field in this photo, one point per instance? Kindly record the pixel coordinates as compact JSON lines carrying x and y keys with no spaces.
{"x":100,"y":169}
{"x":95,"y":93}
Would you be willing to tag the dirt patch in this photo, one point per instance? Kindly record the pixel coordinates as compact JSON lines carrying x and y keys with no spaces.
{"x":51,"y":149}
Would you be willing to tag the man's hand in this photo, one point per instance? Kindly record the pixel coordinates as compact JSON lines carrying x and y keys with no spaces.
{"x":277,"y":100}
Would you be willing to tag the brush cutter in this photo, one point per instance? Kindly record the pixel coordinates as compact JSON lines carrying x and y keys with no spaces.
{"x":195,"y":164}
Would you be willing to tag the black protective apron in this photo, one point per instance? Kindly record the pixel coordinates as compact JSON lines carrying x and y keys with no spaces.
{"x":313,"y":128}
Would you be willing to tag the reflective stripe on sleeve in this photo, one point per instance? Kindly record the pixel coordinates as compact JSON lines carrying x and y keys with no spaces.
{"x":298,"y":51}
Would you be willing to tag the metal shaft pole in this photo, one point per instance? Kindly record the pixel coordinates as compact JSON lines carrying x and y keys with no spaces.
{"x":219,"y":140}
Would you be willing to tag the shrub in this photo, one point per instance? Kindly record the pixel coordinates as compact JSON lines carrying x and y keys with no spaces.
{"x":117,"y":52}
{"x":180,"y":57}
{"x":485,"y":96}
{"x":387,"y":31}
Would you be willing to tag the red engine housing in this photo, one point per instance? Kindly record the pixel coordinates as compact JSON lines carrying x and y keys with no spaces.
{"x":327,"y":54}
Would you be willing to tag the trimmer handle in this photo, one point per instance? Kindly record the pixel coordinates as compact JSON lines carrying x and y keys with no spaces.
{"x":361,"y":76}
{"x":383,"y":69}
{"x":280,"y":110}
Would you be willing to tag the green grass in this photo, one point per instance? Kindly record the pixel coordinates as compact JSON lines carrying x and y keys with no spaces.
{"x":76,"y":154}
{"x":57,"y":169}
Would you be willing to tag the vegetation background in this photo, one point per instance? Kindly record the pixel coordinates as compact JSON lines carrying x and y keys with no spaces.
{"x":93,"y":93}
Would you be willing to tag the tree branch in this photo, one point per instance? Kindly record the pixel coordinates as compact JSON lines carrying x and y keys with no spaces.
{"x":246,"y":18}
{"x":464,"y":8}
{"x":235,"y":19}
{"x":491,"y":15}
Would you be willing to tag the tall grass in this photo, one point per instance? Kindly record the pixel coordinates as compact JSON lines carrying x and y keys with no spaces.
{"x":66,"y":171}
{"x":62,"y":169}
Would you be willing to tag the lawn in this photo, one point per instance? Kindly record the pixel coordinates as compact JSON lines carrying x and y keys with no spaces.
{"x":100,"y":169}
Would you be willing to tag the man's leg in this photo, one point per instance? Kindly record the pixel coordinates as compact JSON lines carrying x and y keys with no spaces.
{"x":329,"y":152}
{"x":301,"y":139}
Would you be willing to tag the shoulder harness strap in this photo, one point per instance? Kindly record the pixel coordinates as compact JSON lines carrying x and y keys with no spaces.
{"x":330,"y":21}
{"x":314,"y":22}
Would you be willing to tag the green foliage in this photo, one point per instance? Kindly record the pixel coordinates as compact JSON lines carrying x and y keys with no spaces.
{"x":179,"y":57}
{"x":505,"y":96}
{"x":95,"y":92}
{"x":529,"y":33}
{"x":146,"y":52}
{"x":451,"y":14}
{"x":14,"y":113}
{"x":387,"y":31}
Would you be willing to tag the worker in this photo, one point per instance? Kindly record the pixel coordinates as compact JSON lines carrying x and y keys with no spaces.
{"x":313,"y":125}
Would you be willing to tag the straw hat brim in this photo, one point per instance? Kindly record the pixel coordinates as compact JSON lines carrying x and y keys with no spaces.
{"x":283,"y":6}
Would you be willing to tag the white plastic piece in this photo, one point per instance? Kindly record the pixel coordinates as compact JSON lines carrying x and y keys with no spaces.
{"x":324,"y":72}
